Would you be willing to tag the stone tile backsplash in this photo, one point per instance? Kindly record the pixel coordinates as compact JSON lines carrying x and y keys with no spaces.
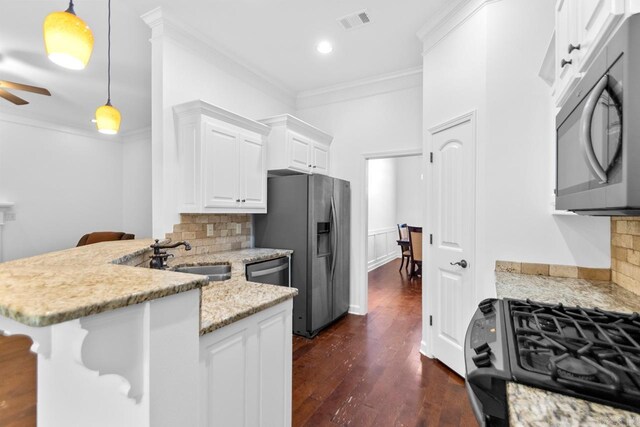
{"x":230,"y":232}
{"x":553,"y":270}
{"x":625,"y":252}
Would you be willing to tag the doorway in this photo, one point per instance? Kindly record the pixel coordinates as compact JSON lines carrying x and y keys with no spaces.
{"x":391,"y":233}
{"x":394,"y":198}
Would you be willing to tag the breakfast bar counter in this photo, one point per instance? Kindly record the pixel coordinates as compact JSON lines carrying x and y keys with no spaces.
{"x":122,"y":344}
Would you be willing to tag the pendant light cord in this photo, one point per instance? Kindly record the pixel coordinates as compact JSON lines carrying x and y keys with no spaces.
{"x":109,"y":59}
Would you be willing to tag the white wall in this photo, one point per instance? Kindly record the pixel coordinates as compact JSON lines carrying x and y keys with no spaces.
{"x":372,"y":124}
{"x":63,"y":184}
{"x":409,"y":185}
{"x":490,"y":63}
{"x":136,"y":184}
{"x":186,"y":68}
{"x":382,"y":194}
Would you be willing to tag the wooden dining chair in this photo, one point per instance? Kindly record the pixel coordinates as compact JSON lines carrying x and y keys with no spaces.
{"x":415,"y":245}
{"x":403,"y":236}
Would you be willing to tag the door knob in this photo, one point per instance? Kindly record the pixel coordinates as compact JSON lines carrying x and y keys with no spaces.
{"x":462,"y":263}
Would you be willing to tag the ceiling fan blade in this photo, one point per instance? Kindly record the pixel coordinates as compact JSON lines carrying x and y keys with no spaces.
{"x":27,"y":88}
{"x":12,"y":98}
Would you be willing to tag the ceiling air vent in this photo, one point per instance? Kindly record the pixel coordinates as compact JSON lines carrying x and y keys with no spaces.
{"x":354,"y":20}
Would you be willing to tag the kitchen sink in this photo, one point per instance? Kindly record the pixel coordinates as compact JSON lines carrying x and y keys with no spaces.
{"x":215,"y":272}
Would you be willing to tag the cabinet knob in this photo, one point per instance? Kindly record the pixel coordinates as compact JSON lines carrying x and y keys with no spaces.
{"x":243,"y":200}
{"x":237,"y":200}
{"x":573,"y":47}
{"x":314,"y":166}
{"x":564,"y":63}
{"x":308,"y":165}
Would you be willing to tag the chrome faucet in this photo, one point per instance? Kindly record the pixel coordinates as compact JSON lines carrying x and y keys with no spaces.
{"x":160,"y":257}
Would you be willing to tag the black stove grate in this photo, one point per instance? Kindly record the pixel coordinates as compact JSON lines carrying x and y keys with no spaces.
{"x":590,"y":353}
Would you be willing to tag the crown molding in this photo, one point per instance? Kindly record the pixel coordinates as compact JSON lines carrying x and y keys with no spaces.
{"x":41,"y":123}
{"x":447,"y":20}
{"x":204,"y":108}
{"x":384,"y":83}
{"x":162,"y":24}
{"x":135,"y":134}
{"x":299,"y":126}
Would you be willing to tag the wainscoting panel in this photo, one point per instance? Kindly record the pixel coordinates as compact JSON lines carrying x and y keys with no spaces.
{"x":382,"y":247}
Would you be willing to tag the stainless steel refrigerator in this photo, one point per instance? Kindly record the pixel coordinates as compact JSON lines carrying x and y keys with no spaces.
{"x":311,"y":215}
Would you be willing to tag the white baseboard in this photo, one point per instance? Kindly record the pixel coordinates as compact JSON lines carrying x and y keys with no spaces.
{"x":355,"y":309}
{"x":423,"y":350}
{"x":381,"y":262}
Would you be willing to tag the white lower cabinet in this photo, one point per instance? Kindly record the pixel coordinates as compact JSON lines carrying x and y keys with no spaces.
{"x":245,"y":371}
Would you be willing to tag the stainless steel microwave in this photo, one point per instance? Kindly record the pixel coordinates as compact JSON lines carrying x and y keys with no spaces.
{"x":598,"y":132}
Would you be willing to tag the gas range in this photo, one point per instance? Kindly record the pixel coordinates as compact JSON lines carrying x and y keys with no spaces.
{"x":590,"y":354}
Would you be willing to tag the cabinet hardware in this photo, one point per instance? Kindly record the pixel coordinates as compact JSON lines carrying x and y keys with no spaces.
{"x":564,"y":63}
{"x":431,"y":157}
{"x":237,"y":200}
{"x":573,"y":47}
{"x":309,"y":166}
{"x":431,"y":239}
{"x":243,"y":200}
{"x":430,"y":320}
{"x":314,"y":166}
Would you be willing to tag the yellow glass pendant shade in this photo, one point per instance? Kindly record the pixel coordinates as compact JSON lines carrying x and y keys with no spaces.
{"x":108,"y":119}
{"x":67,"y":39}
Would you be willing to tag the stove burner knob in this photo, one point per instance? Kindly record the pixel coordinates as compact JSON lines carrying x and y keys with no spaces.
{"x":482,"y":360}
{"x":482,"y":348}
{"x":486,"y":306}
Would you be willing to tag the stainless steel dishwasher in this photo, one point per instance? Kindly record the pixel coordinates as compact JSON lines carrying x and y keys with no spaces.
{"x":273,"y":272}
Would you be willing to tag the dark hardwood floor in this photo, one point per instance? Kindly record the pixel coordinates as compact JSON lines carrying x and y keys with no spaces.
{"x":368,"y":371}
{"x":17,"y":382}
{"x":362,"y":371}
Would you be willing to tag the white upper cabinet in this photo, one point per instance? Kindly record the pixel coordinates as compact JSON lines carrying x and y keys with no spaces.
{"x":582,"y":29}
{"x":297,"y":146}
{"x":221,"y":160}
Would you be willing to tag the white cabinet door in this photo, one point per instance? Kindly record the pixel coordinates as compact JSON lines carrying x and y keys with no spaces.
{"x":220,"y":167}
{"x":596,"y":20}
{"x":245,"y":371}
{"x":299,"y":149}
{"x":566,"y":35}
{"x":320,"y":159}
{"x":253,"y":179}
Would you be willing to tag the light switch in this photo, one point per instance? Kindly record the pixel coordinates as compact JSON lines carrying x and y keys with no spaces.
{"x":209,"y":230}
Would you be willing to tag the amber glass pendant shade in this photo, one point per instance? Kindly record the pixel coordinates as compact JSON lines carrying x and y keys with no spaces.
{"x":108,"y":119}
{"x":68,"y":39}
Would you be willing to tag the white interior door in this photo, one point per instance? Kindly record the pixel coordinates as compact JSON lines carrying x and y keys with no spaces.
{"x":453,"y":224}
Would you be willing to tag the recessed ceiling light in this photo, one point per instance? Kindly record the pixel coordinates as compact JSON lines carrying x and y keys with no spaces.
{"x":324,"y":47}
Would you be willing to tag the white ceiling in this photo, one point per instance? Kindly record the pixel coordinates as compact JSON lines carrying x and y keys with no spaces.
{"x":274,"y":37}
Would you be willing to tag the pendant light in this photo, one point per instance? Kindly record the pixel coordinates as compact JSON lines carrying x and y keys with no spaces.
{"x":68,"y":40}
{"x":107,"y":116}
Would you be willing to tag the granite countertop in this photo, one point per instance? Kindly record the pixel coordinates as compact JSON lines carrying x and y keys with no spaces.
{"x":73,"y":283}
{"x":530,"y":406}
{"x":226,"y":302}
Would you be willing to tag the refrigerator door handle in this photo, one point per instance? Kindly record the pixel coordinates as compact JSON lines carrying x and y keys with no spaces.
{"x":334,"y":237}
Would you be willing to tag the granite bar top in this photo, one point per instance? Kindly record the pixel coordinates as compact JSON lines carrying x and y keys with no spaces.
{"x":73,"y":283}
{"x":226,"y":302}
{"x":530,"y":406}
